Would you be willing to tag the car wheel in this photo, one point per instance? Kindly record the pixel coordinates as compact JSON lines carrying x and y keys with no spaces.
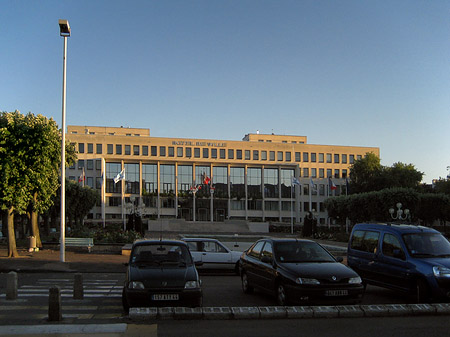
{"x":281,"y":295}
{"x":126,"y":306}
{"x":422,"y":291}
{"x":246,"y":287}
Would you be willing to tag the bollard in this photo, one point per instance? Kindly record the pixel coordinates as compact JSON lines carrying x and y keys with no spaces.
{"x":78,"y":287}
{"x":54,"y":304}
{"x":11,"y":286}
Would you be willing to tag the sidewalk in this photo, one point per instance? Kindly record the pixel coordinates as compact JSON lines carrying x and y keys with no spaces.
{"x":48,"y":260}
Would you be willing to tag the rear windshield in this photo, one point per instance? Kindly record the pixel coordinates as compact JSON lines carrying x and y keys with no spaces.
{"x":289,"y":252}
{"x":427,"y":245}
{"x":159,"y":254}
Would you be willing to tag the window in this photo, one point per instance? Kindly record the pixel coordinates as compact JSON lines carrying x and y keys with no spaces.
{"x":110,"y":149}
{"x":144,"y":150}
{"x":214,"y":153}
{"x":127,"y":150}
{"x":263,"y":155}
{"x":132,"y":178}
{"x":255,"y":155}
{"x":288,"y":156}
{"x":136,"y":150}
{"x":162,"y":151}
{"x":98,"y":165}
{"x":256,"y":251}
{"x":279,"y":156}
{"x":247,"y":154}
{"x":328,"y":157}
{"x":305,"y":157}
{"x":90,"y":182}
{"x":344,"y":173}
{"x":179,"y":152}
{"x":297,"y":156}
{"x":336,"y":173}
{"x":118,"y":149}
{"x":189,"y":152}
{"x":313,"y":157}
{"x":89,"y":164}
{"x":352,"y":158}
{"x":153,"y":151}
{"x":358,"y":157}
{"x":329,"y":173}
{"x":313,"y":173}
{"x":196,"y":152}
{"x":230,"y":154}
{"x":238,"y":154}
{"x":366,"y":241}
{"x":81,"y":164}
{"x":90,"y":148}
{"x":171,"y":151}
{"x":271,"y":183}
{"x":321,"y":158}
{"x":392,"y":247}
{"x":321,"y":173}
{"x":336,"y":158}
{"x":81,"y":147}
{"x":205,"y":152}
{"x":344,"y":159}
{"x":305,"y":172}
{"x":272,"y":155}
{"x":99,"y":149}
{"x":267,"y":251}
{"x":271,"y":205}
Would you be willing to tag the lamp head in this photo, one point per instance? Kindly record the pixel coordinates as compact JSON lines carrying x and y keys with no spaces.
{"x":64,"y":28}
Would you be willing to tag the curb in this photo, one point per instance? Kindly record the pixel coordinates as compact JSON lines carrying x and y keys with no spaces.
{"x":276,"y":312}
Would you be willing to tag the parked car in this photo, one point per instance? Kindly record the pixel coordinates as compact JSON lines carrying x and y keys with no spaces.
{"x":412,"y":259}
{"x":298,"y":271}
{"x":161,"y":272}
{"x":213,"y":254}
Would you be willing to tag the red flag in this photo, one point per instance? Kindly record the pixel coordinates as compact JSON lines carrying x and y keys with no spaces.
{"x":206,"y":180}
{"x":332,"y":185}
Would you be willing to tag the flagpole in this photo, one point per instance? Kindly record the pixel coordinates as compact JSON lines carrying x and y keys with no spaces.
{"x":310,"y":197}
{"x":292,"y":217}
{"x":103,"y":192}
{"x":212,"y":203}
{"x":193,"y":203}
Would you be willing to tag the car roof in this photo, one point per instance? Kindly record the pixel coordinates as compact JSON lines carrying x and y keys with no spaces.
{"x":156,"y":242}
{"x":199,"y":239}
{"x":276,"y":240}
{"x":395,"y":227}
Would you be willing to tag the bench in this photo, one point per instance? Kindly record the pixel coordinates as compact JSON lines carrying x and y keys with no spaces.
{"x":80,"y":242}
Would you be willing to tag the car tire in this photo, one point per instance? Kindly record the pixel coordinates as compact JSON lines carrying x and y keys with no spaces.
{"x":126,"y":306}
{"x":422,"y":291}
{"x":246,"y":287}
{"x":281,"y":295}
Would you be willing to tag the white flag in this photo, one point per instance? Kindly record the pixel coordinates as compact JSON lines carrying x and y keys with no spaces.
{"x":295,"y":181}
{"x":120,"y":176}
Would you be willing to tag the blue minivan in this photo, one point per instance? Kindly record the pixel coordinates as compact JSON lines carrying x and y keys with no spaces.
{"x":409,"y":258}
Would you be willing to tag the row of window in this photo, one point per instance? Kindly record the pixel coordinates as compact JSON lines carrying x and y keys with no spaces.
{"x":305,"y":172}
{"x":197,"y":152}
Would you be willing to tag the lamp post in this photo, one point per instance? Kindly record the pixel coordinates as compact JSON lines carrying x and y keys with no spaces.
{"x":64,"y":31}
{"x":399,"y":214}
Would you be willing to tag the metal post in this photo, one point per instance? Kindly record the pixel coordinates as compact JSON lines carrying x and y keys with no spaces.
{"x":193,"y":203}
{"x":63,"y":160}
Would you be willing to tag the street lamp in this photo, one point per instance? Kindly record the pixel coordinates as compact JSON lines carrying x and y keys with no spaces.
{"x":64,"y":31}
{"x":399,"y":213}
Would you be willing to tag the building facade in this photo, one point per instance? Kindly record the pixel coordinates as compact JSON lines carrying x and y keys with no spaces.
{"x":262,"y":178}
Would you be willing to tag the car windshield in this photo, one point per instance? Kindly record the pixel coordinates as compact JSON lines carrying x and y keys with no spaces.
{"x":427,"y":245}
{"x":301,"y":251}
{"x":161,"y":254}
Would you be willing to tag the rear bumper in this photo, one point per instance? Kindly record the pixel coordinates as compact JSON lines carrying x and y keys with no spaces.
{"x":143,"y":298}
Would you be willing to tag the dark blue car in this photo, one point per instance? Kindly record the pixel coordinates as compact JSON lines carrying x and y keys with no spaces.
{"x":412,"y":259}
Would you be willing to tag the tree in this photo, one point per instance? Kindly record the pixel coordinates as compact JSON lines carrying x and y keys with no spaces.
{"x":442,"y":186}
{"x":30,"y":162}
{"x":15,"y":176}
{"x":367,"y":174}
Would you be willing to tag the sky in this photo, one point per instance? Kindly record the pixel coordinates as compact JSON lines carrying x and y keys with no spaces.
{"x":352,"y":73}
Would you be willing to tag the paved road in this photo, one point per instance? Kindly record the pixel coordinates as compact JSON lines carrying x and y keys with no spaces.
{"x":102,"y":297}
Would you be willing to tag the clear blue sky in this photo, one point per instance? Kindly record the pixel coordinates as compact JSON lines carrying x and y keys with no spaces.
{"x":364,"y":73}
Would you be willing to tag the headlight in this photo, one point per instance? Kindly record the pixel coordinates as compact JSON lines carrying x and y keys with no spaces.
{"x":439,"y":271}
{"x":355,"y":280}
{"x":308,"y":281}
{"x":192,"y":285}
{"x":135,"y":285}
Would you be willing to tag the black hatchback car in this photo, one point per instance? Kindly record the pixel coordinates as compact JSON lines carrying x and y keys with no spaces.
{"x":161,"y":273}
{"x":298,"y":271}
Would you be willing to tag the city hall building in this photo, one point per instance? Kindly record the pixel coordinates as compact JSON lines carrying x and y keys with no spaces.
{"x":263,"y":177}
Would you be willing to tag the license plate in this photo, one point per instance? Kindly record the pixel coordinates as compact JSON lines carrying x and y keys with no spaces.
{"x":336,"y":293}
{"x":165,"y":297}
